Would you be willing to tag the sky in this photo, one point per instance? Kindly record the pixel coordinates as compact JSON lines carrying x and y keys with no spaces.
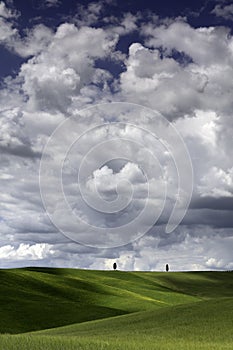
{"x":116,"y":134}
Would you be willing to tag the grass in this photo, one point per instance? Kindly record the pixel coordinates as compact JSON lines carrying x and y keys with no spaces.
{"x":83,"y":309}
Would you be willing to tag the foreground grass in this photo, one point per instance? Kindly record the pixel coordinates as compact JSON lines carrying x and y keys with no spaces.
{"x":139,"y":310}
{"x":61,"y":343}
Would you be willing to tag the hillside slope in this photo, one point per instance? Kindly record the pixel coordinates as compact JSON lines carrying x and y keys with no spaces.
{"x":207,"y":321}
{"x":39,"y":298}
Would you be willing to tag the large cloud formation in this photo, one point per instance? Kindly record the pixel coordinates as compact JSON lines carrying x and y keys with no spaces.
{"x":184,"y":73}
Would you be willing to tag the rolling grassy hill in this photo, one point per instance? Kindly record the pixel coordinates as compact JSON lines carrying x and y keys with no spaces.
{"x":84,"y":309}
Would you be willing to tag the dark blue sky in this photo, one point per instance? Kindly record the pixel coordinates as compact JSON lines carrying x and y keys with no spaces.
{"x":198,"y":12}
{"x":32,"y":12}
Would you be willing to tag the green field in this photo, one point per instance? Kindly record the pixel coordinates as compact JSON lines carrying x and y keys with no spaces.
{"x":59,"y":309}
